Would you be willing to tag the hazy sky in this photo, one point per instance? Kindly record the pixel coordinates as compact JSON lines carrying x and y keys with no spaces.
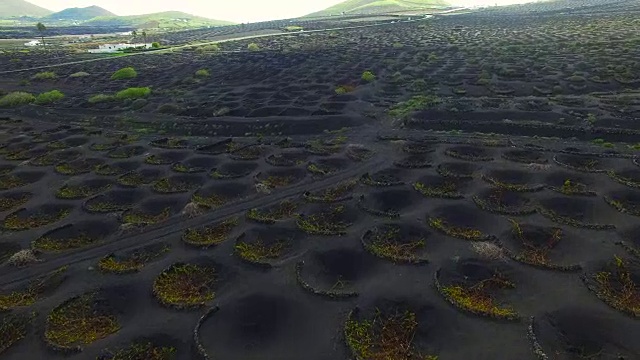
{"x":232,"y":10}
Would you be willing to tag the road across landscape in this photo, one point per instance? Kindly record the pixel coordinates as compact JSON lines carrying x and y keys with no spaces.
{"x":180,"y":223}
{"x":174,"y":48}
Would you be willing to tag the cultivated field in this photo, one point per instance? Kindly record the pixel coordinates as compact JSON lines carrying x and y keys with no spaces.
{"x":460,"y":187}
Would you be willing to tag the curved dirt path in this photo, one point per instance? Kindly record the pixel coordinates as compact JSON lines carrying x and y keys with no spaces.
{"x":178,"y":224}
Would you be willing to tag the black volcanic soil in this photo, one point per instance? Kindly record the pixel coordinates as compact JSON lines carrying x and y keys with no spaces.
{"x":578,"y":332}
{"x":529,"y":95}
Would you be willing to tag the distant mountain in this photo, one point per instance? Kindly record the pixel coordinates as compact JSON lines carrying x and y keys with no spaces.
{"x":17,"y":8}
{"x":79,"y":14}
{"x":165,"y":20}
{"x":352,"y":7}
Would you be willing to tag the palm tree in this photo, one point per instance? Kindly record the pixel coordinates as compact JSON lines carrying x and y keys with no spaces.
{"x":41,"y":28}
{"x":144,"y":35}
{"x":134,"y":33}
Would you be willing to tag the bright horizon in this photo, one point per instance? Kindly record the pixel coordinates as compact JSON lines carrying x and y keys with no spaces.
{"x":237,"y":11}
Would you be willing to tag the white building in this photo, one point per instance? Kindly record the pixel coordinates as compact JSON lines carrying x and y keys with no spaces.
{"x":112,"y":48}
{"x":33,"y":43}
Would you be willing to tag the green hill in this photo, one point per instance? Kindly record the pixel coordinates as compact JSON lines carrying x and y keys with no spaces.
{"x":379,"y":6}
{"x":164,"y":20}
{"x":80,"y":14}
{"x":17,"y":8}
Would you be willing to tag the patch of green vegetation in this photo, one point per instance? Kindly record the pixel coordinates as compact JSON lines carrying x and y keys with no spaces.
{"x":323,"y":223}
{"x":536,"y":254}
{"x":458,"y":232}
{"x":211,"y":202}
{"x":15,"y":222}
{"x":210,"y":235}
{"x":79,"y":191}
{"x":34,"y":291}
{"x":10,"y":182}
{"x":332,"y":194}
{"x":140,"y":218}
{"x":284,"y":210}
{"x":617,"y":287}
{"x":384,"y":337}
{"x":344,"y":89}
{"x":253,"y":47}
{"x":79,"y":74}
{"x":416,"y":103}
{"x":627,"y":207}
{"x":477,"y":299}
{"x":294,"y":28}
{"x":105,"y":206}
{"x":166,"y":20}
{"x":511,"y":186}
{"x":275,"y":181}
{"x":49,"y":97}
{"x":13,"y":328}
{"x":46,"y":243}
{"x":133,"y":93}
{"x":325,"y":147}
{"x":202,"y":73}
{"x":319,"y":169}
{"x":368,"y":76}
{"x":16,"y":98}
{"x":71,"y":169}
{"x":447,"y":190}
{"x":100,"y":98}
{"x":572,"y":187}
{"x":124,"y":73}
{"x":352,"y":7}
{"x":155,"y":160}
{"x":45,"y":75}
{"x":258,"y":251}
{"x":9,"y":202}
{"x":133,"y":179}
{"x":185,"y":285}
{"x":144,"y":350}
{"x":168,"y":186}
{"x":80,"y":320}
{"x":131,"y":263}
{"x":386,"y":243}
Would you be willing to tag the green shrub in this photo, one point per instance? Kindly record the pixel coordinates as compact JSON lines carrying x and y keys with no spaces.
{"x":124,"y":73}
{"x":49,"y":97}
{"x":343,"y":89}
{"x":79,"y":74}
{"x":155,"y":45}
{"x":368,"y":76}
{"x":16,"y":99}
{"x":133,"y":93}
{"x":416,"y":103}
{"x":46,"y":75}
{"x":253,"y":47}
{"x":100,"y":98}
{"x":203,"y":73}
